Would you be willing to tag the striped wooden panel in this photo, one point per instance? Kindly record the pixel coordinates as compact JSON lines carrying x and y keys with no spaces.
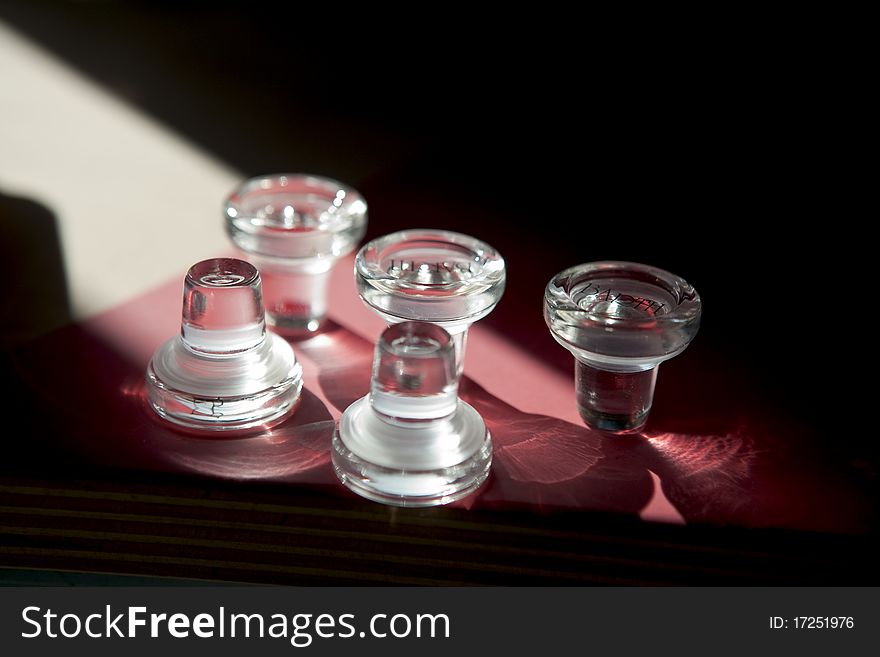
{"x":306,"y":537}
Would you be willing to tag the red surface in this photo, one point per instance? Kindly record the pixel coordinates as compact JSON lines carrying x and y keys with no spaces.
{"x":702,"y":460}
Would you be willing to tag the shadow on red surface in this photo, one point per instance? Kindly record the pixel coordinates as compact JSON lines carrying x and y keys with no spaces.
{"x":78,"y":419}
{"x":90,"y":404}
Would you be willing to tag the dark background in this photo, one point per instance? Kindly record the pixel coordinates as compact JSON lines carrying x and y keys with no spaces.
{"x":715,"y":152}
{"x":715,"y":147}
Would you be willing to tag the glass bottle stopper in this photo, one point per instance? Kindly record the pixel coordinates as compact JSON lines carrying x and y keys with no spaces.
{"x":224,"y":371}
{"x":411,"y":441}
{"x":436,"y":276}
{"x":619,"y":320}
{"x":294,"y":228}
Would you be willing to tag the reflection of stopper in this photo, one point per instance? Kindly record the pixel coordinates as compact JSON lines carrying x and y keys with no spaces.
{"x":436,"y":276}
{"x":294,"y":228}
{"x":619,"y":320}
{"x":224,"y":371}
{"x":411,"y":441}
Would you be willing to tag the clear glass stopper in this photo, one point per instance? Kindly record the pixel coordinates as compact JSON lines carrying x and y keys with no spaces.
{"x":224,"y":371}
{"x":619,"y":320}
{"x":294,"y":228}
{"x":411,"y":441}
{"x":436,"y":276}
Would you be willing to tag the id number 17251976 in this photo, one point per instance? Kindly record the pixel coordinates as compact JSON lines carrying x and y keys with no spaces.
{"x":812,"y":623}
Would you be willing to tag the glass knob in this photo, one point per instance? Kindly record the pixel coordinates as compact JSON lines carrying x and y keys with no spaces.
{"x":411,"y":441}
{"x":294,"y":228}
{"x":436,"y":276}
{"x":619,"y":320}
{"x":224,"y":371}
